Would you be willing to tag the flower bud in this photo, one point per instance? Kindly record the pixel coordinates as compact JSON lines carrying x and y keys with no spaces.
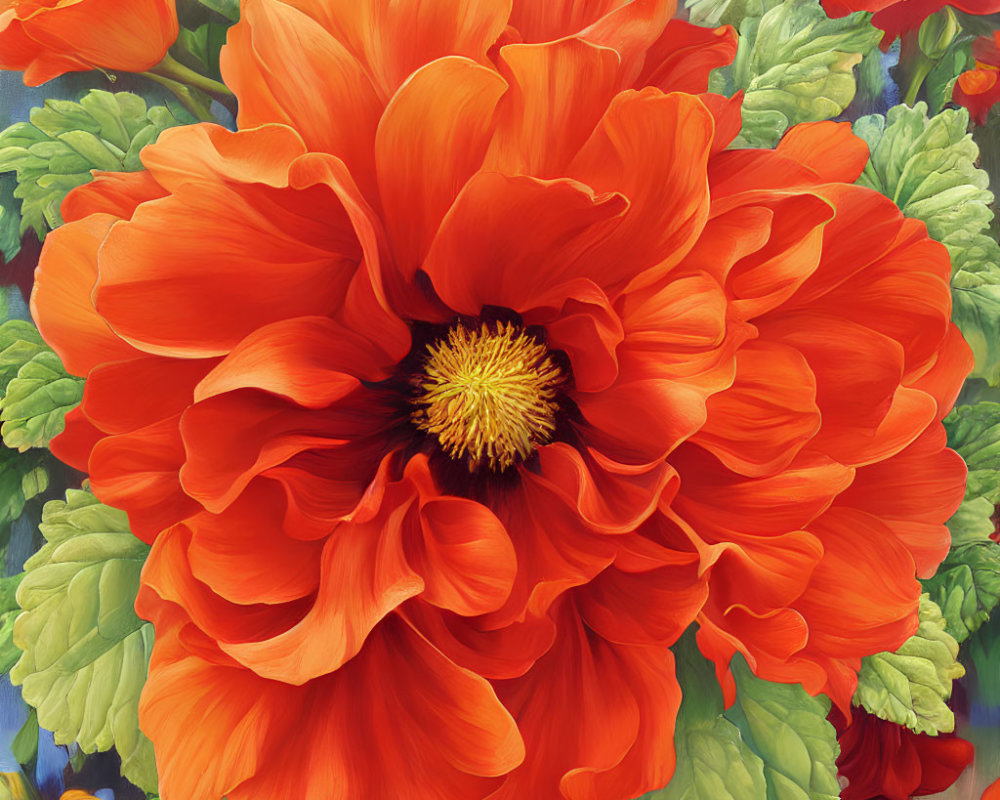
{"x":937,"y":33}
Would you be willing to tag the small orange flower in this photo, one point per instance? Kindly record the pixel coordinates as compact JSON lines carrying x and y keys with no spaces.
{"x":47,"y":38}
{"x":978,"y":89}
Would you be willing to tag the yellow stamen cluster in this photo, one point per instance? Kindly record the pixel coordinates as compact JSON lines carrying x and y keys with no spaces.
{"x":489,"y":394}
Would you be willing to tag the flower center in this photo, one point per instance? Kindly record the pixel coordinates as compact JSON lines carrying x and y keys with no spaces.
{"x":488,"y":394}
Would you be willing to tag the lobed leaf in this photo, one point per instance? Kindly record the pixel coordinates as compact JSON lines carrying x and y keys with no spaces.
{"x":911,"y":686}
{"x":927,"y":166}
{"x":10,"y":220}
{"x":9,"y":652}
{"x":64,"y":141}
{"x":713,"y":761}
{"x":788,"y":729}
{"x":774,"y":743}
{"x":33,"y":410}
{"x":794,"y":63}
{"x":966,"y":586}
{"x":974,"y":431}
{"x":86,"y":652}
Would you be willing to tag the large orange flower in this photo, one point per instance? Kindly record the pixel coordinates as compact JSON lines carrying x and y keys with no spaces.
{"x":449,"y":404}
{"x":46,"y":38}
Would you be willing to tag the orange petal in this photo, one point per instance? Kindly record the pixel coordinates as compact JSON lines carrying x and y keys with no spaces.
{"x":137,"y":472}
{"x":123,"y":396}
{"x":915,"y":492}
{"x":684,"y":55}
{"x":206,"y":153}
{"x":829,"y":149}
{"x":587,"y":329}
{"x":863,"y":596}
{"x":74,"y":445}
{"x":431,"y":139}
{"x":275,"y":58}
{"x":233,"y":437}
{"x":653,"y":607}
{"x":237,"y":256}
{"x":757,"y":426}
{"x":558,"y":94}
{"x":505,"y":652}
{"x":853,"y":395}
{"x":364,"y":575}
{"x":768,"y":277}
{"x":547,"y":20}
{"x":257,"y":726}
{"x":641,"y":421}
{"x":115,"y":193}
{"x":597,"y":718}
{"x":394,"y":38}
{"x":463,"y":551}
{"x":771,"y":505}
{"x":488,"y":247}
{"x":653,"y":149}
{"x":312,"y":361}
{"x":245,"y":556}
{"x":63,"y":37}
{"x":60,"y":300}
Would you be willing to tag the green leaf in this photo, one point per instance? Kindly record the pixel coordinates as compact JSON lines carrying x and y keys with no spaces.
{"x":10,"y":220}
{"x":201,"y":47}
{"x":77,"y":759}
{"x":228,"y":8}
{"x":86,"y":653}
{"x":64,"y":141}
{"x":25,"y":745}
{"x":794,"y":63}
{"x":983,"y":649}
{"x":789,"y":730}
{"x":713,"y":761}
{"x":974,"y":431}
{"x":15,"y":489}
{"x":9,"y":652}
{"x":712,"y":13}
{"x":911,"y":686}
{"x":20,"y":341}
{"x":928,"y":168}
{"x":34,"y":409}
{"x":941,"y":79}
{"x":967,"y":584}
{"x":967,"y":587}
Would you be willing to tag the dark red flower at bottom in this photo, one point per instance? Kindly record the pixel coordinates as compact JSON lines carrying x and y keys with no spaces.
{"x":886,"y":761}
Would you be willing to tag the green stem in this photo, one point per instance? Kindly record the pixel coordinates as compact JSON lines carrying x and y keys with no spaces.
{"x":184,"y":95}
{"x":174,"y":70}
{"x":921,"y":69}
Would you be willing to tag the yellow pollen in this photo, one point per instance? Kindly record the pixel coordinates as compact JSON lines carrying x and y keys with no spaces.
{"x":488,"y":394}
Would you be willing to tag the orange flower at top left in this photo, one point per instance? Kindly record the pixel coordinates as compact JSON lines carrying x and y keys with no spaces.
{"x":47,"y":38}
